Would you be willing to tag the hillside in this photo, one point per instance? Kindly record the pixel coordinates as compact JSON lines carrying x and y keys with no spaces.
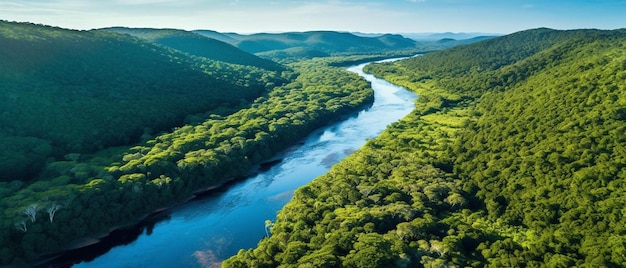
{"x":79,"y":200}
{"x":433,"y":37}
{"x":71,"y":91}
{"x":292,"y":54}
{"x":226,"y":38}
{"x":199,"y":45}
{"x":325,"y":41}
{"x":514,"y":157}
{"x":310,"y":44}
{"x":86,"y":86}
{"x":293,"y":46}
{"x":445,"y":43}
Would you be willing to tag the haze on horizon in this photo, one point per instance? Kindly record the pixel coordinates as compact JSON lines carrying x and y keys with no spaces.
{"x":368,"y":16}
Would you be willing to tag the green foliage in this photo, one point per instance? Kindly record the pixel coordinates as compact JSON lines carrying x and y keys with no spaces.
{"x":292,"y":54}
{"x":199,"y":45}
{"x":514,"y":157}
{"x":22,"y":156}
{"x":294,"y":46}
{"x":119,"y":186}
{"x":544,"y":150}
{"x":70,"y":91}
{"x":374,"y":207}
{"x":549,"y":149}
{"x":325,"y":41}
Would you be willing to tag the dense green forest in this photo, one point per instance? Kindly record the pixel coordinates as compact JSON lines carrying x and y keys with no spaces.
{"x":294,"y":46}
{"x":76,"y":92}
{"x":199,"y":45}
{"x":325,"y":41}
{"x":75,"y":199}
{"x":515,"y":156}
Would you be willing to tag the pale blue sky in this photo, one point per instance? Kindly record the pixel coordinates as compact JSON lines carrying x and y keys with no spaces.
{"x":388,"y":16}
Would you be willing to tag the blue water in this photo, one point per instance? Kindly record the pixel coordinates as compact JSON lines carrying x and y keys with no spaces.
{"x":203,"y":232}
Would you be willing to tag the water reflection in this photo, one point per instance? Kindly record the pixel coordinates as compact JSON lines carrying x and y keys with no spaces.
{"x":207,"y":230}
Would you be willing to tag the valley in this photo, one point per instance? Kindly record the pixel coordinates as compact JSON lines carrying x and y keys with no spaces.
{"x":513,"y":155}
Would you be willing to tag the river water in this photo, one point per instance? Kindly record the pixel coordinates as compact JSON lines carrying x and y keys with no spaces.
{"x":205,"y":231}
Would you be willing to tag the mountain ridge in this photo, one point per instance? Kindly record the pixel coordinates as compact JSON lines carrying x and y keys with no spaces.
{"x":328,"y":42}
{"x":198,"y":45}
{"x":78,"y":91}
{"x":514,"y":157}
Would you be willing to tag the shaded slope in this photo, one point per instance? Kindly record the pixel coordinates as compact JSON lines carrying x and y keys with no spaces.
{"x":545,"y":154}
{"x":292,"y":54}
{"x":514,"y":157}
{"x":95,"y":194}
{"x":216,"y":35}
{"x":489,"y":54}
{"x":325,"y":41}
{"x":70,"y":91}
{"x":199,"y":45}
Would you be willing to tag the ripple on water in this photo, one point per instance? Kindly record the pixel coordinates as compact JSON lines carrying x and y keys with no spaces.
{"x":203,"y":232}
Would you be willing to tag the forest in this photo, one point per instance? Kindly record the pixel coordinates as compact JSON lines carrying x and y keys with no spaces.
{"x":76,"y":92}
{"x":199,"y":45}
{"x":515,"y":156}
{"x":328,"y":42}
{"x":79,"y":193}
{"x":295,"y":46}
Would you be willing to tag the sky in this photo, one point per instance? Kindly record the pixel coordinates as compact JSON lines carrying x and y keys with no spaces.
{"x":366,"y":16}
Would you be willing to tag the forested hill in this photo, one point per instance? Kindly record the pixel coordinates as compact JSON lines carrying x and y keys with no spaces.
{"x":496,"y":53}
{"x":66,"y":91}
{"x":325,"y":41}
{"x":515,"y":156}
{"x":67,"y":94}
{"x":317,"y":42}
{"x":224,"y":37}
{"x":199,"y":45}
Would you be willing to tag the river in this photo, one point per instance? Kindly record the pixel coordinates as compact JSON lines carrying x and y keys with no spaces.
{"x":207,"y":230}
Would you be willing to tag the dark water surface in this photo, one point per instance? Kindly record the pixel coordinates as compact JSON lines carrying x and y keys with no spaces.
{"x":207,"y":230}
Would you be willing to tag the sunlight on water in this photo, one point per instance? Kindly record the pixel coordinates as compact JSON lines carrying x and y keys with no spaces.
{"x":203,"y":232}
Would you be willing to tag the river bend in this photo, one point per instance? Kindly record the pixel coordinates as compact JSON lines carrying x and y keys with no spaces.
{"x":210,"y":229}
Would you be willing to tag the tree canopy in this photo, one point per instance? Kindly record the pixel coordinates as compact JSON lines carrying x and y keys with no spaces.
{"x":68,"y":91}
{"x":82,"y":196}
{"x":513,"y":157}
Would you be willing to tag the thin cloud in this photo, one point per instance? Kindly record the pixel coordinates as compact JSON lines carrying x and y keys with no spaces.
{"x":299,"y":15}
{"x":143,"y":2}
{"x":44,"y":9}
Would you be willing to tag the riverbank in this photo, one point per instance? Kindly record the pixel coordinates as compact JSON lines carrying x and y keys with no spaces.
{"x":222,"y":222}
{"x":170,"y":167}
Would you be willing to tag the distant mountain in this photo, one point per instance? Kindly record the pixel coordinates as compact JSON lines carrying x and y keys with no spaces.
{"x":446,"y":35}
{"x":327,"y":42}
{"x":292,"y":54}
{"x":201,"y":43}
{"x":298,"y":45}
{"x":367,"y":34}
{"x":217,"y":36}
{"x":475,"y":39}
{"x":450,"y":42}
{"x":66,"y":91}
{"x":439,"y":41}
{"x":445,"y":40}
